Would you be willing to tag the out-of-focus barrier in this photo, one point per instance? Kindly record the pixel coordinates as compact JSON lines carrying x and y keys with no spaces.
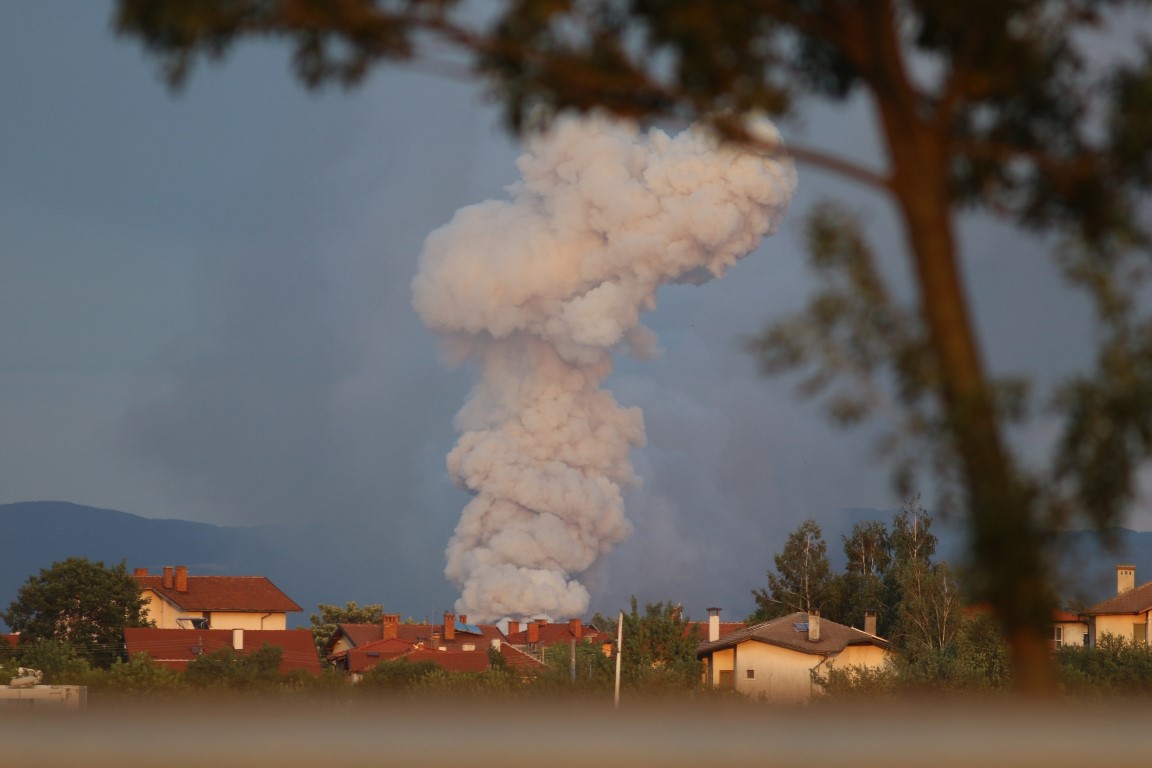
{"x":476,"y":734}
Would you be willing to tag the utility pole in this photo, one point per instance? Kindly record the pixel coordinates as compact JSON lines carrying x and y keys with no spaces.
{"x":619,"y":653}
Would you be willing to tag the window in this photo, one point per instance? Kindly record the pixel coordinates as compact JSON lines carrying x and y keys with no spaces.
{"x":750,"y":674}
{"x":1058,"y":637}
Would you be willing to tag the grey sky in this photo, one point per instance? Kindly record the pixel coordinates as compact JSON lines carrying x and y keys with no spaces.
{"x":205,"y":314}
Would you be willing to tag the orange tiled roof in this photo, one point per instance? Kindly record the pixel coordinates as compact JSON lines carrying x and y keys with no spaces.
{"x":367,"y":656}
{"x":223,"y":593}
{"x":1133,"y":601}
{"x":472,"y":661}
{"x":560,"y":632}
{"x":12,"y":639}
{"x":784,"y":632}
{"x":362,"y":634}
{"x":700,"y":629}
{"x":1065,"y":617}
{"x":175,"y":648}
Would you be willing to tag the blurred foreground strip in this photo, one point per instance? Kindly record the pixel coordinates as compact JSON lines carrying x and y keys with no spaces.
{"x":476,"y":734}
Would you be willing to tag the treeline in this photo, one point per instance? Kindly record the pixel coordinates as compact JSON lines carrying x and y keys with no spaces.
{"x":939,"y":642}
{"x":891,"y":569}
{"x":62,"y":663}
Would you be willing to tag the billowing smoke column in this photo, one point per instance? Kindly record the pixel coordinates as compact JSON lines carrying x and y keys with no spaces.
{"x":539,"y":291}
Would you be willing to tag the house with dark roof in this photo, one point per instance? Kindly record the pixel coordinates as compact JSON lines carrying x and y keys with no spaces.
{"x":175,"y":599}
{"x":775,"y":659}
{"x":1128,"y":614}
{"x":175,"y":648}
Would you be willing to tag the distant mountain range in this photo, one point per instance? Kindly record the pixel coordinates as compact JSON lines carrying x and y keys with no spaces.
{"x":314,"y":565}
{"x":305,"y":561}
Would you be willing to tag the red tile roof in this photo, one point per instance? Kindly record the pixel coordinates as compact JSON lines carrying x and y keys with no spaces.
{"x":785,"y":632}
{"x":369,"y":655}
{"x":223,"y":593}
{"x":472,"y":661}
{"x":1133,"y":601}
{"x":700,"y":629}
{"x":12,"y":639}
{"x":175,"y":648}
{"x":359,"y":635}
{"x":553,"y":633}
{"x":1064,"y":617}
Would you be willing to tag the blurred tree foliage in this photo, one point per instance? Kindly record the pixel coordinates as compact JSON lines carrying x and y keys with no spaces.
{"x":989,"y":105}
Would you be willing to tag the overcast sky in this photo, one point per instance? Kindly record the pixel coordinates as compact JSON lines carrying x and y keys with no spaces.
{"x":205,"y":314}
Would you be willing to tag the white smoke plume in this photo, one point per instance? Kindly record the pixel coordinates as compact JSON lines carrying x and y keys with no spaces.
{"x":539,"y":290}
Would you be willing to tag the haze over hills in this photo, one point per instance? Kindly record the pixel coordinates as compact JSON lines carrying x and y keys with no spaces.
{"x":308,"y":562}
{"x":314,"y":564}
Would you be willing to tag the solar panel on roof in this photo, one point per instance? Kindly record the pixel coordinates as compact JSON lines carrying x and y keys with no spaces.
{"x":469,"y":628}
{"x":801,"y":626}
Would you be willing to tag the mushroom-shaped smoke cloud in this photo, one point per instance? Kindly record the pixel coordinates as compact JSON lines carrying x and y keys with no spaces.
{"x":539,"y":291}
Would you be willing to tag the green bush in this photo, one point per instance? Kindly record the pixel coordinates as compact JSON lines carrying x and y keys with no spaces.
{"x":1116,"y":665}
{"x":257,"y":670}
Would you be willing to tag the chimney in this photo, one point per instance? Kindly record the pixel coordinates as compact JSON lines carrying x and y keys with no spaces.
{"x":814,"y":626}
{"x":713,"y":624}
{"x":463,"y":618}
{"x":391,"y":625}
{"x":1125,"y":578}
{"x":870,"y":622}
{"x":575,"y":628}
{"x":181,"y":578}
{"x":237,"y":639}
{"x":541,"y":622}
{"x":169,"y":581}
{"x":513,"y":627}
{"x":449,"y":626}
{"x":140,"y":572}
{"x":534,"y":632}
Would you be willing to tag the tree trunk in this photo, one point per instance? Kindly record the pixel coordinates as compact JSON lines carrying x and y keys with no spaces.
{"x":1006,"y":544}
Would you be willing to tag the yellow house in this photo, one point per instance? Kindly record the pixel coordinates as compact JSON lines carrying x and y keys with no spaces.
{"x":1068,"y":629}
{"x":1128,"y":614}
{"x":176,"y":600}
{"x":775,"y":659}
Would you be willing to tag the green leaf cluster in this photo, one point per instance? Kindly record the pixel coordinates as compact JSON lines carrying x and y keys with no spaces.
{"x":325,"y":622}
{"x":81,"y":603}
{"x":889,"y":570}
